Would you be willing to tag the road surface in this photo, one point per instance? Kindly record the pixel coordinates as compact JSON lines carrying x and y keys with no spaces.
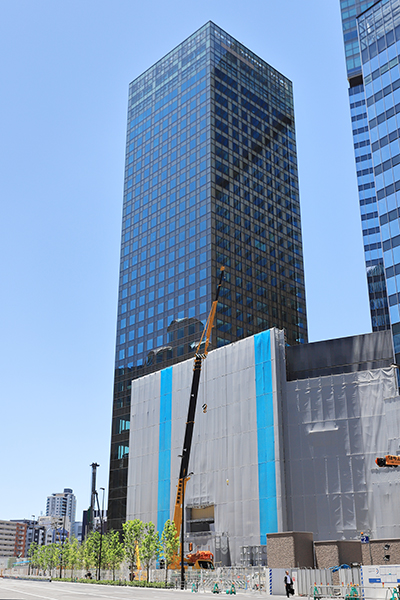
{"x":14,"y":589}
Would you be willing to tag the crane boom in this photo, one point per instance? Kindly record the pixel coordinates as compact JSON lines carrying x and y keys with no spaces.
{"x":187,"y":443}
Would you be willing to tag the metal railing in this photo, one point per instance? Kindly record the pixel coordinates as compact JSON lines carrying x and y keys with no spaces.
{"x":351,"y":591}
{"x":243,"y":579}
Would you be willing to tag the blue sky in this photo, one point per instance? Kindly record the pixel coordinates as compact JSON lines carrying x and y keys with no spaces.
{"x":65,"y":71}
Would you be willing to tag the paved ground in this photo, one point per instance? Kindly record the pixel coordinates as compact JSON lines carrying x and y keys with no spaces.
{"x":12,"y":589}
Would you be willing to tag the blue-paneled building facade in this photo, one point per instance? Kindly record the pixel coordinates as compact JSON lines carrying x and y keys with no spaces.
{"x":363,"y":157}
{"x":379,"y":35}
{"x":371,"y":35}
{"x":210,"y":180}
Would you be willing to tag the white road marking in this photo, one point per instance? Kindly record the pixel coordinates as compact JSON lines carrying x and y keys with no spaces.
{"x":27,"y":593}
{"x":66,"y":590}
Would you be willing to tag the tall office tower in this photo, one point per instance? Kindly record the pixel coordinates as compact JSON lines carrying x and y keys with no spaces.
{"x":365,"y":175}
{"x":62,"y":504}
{"x":379,"y":36}
{"x":210,"y":180}
{"x":373,"y":75}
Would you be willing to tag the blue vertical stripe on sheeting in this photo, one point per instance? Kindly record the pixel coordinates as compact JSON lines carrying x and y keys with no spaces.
{"x":164,"y":451}
{"x":265,"y":435}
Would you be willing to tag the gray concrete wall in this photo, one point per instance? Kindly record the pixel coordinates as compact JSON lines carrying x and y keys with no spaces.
{"x":349,"y":552}
{"x":304,"y":549}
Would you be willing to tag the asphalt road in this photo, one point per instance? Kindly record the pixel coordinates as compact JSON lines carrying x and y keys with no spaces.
{"x":13,"y":589}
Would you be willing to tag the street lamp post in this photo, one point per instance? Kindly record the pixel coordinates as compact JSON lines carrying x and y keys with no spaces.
{"x":101,"y":530}
{"x":369,"y":542}
{"x":102,"y":510}
{"x":33,"y":535}
{"x":183,"y":530}
{"x":62,"y":539}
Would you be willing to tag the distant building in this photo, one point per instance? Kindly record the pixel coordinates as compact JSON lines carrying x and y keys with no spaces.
{"x":77,"y":531}
{"x":34,"y":533}
{"x":63,"y":505}
{"x":97,"y":520}
{"x":12,"y":538}
{"x":52,"y":529}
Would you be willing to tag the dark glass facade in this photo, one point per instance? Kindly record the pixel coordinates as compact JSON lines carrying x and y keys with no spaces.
{"x":365,"y":175}
{"x":210,"y":180}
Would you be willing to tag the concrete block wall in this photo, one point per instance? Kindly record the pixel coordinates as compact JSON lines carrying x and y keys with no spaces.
{"x":337,"y":552}
{"x":280,"y":550}
{"x":326,"y":554}
{"x":375,"y":550}
{"x":290,"y":549}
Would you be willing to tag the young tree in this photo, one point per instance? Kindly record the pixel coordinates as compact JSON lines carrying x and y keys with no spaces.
{"x":40,"y":558}
{"x":133,"y":533}
{"x":91,"y":550}
{"x":31,"y":555}
{"x":51,"y":556}
{"x":71,"y":554}
{"x":114,"y":552}
{"x":150,"y":547}
{"x":170,"y":545}
{"x":64,"y":555}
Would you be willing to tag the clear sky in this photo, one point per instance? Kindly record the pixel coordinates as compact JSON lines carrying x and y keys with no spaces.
{"x":65,"y":70}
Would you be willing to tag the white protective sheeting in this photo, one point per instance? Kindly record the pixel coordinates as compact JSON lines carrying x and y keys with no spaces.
{"x":224,"y":457}
{"x":143,"y":454}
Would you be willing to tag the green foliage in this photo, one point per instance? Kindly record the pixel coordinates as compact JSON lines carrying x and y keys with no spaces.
{"x":170,"y":544}
{"x":40,"y":557}
{"x":64,"y":552}
{"x":90,"y":550}
{"x":141,"y":543}
{"x":33,"y":554}
{"x":113,"y":550}
{"x":146,"y":584}
{"x":133,"y":533}
{"x":50,"y":556}
{"x":150,"y":546}
{"x":72,"y":555}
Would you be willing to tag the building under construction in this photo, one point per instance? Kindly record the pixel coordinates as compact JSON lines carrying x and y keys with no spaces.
{"x":285,"y":439}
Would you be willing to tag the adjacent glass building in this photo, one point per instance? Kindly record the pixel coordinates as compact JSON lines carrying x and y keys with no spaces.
{"x":365,"y":175}
{"x":371,"y":33}
{"x":379,"y":35}
{"x":210,"y":180}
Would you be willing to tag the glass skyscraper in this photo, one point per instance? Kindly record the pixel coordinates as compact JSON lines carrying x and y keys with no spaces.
{"x":210,"y":180}
{"x":365,"y":175}
{"x":371,"y":32}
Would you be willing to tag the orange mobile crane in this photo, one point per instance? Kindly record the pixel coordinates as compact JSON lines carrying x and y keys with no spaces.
{"x":388,"y":461}
{"x":201,"y":559}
